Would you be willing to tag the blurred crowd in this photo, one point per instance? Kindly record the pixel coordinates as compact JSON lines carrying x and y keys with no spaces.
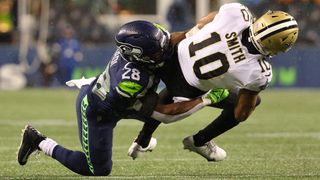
{"x":83,"y":16}
{"x":8,"y":20}
{"x":80,"y":15}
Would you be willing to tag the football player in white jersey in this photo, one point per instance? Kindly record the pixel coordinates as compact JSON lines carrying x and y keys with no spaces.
{"x":226,"y":49}
{"x":124,"y":90}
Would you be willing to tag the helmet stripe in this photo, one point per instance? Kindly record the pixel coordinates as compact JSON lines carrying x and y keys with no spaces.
{"x":274,"y":24}
{"x":279,"y":30}
{"x":276,"y":28}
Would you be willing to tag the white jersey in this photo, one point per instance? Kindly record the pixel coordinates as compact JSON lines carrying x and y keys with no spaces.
{"x":214,"y":57}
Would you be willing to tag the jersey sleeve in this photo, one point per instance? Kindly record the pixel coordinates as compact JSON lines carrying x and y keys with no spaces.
{"x":235,"y":12}
{"x":260,"y":78}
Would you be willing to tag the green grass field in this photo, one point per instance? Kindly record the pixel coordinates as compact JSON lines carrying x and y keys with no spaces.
{"x":281,"y":140}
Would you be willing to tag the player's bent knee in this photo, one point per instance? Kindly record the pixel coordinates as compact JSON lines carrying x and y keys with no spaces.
{"x":102,"y":172}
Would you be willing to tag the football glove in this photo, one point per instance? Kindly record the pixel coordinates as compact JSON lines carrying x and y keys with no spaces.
{"x":214,"y":96}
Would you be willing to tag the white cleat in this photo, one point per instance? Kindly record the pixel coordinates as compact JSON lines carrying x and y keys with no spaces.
{"x":209,"y":150}
{"x":136,"y":150}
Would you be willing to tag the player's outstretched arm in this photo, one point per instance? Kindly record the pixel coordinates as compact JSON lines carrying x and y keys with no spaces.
{"x":169,"y":113}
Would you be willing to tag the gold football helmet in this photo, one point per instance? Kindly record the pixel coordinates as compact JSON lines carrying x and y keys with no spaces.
{"x":274,"y":32}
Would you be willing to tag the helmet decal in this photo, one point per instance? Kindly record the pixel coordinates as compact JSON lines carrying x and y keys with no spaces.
{"x":128,"y":49}
{"x":143,"y":42}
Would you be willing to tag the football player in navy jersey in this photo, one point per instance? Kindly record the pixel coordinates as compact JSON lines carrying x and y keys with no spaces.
{"x":126,"y":89}
{"x":226,"y":49}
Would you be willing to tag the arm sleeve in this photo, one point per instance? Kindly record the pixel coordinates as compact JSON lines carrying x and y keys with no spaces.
{"x":173,"y":118}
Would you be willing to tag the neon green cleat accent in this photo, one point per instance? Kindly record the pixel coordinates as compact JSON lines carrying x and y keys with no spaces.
{"x":217,"y":95}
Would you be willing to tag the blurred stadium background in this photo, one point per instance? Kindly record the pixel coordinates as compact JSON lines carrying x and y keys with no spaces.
{"x":32,"y":33}
{"x":280,"y":140}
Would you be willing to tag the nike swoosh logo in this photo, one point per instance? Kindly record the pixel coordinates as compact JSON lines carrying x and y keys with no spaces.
{"x":24,"y":159}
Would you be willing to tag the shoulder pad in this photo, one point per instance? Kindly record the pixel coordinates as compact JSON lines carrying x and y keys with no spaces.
{"x":237,"y":10}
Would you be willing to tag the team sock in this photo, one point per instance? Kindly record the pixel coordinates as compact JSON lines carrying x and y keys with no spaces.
{"x":47,"y":146}
{"x":224,"y":122}
{"x":221,"y":124}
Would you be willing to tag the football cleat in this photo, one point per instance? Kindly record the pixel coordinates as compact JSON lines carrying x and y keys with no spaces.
{"x":31,"y":138}
{"x":209,"y":150}
{"x":136,"y":150}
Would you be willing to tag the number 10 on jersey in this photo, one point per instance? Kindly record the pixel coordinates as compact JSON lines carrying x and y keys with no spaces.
{"x":219,"y":62}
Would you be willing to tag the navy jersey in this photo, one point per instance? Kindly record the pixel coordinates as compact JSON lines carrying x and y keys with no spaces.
{"x":120,"y":85}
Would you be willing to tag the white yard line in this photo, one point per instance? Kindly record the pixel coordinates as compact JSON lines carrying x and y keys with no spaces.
{"x":315,"y":135}
{"x":220,"y":176}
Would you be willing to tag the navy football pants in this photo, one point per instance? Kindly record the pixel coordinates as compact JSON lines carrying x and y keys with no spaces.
{"x":96,"y":139}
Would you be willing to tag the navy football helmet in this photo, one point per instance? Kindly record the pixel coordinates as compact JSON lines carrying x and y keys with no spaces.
{"x":144,"y":43}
